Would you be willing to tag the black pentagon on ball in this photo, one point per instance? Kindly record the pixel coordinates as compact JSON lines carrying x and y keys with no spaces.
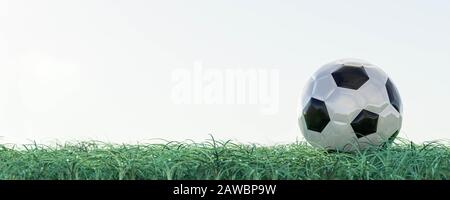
{"x":394,"y":97}
{"x":316,"y":115}
{"x":365,"y":123}
{"x":350,"y":77}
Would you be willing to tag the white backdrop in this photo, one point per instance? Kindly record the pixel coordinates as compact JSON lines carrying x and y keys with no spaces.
{"x":112,"y":70}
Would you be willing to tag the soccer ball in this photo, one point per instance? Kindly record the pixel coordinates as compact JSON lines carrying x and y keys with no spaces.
{"x":350,"y":105}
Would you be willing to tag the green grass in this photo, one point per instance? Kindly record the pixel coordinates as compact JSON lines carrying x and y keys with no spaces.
{"x":221,"y":160}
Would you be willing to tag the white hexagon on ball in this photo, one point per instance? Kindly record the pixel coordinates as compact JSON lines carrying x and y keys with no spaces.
{"x":350,"y":105}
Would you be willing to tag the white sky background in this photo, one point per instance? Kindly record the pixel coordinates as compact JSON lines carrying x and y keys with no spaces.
{"x":101,"y":69}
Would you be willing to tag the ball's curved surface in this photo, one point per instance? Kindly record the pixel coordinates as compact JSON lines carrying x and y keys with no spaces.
{"x":350,"y":104}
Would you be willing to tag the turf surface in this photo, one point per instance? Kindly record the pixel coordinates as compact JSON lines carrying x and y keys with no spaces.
{"x":221,"y":160}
